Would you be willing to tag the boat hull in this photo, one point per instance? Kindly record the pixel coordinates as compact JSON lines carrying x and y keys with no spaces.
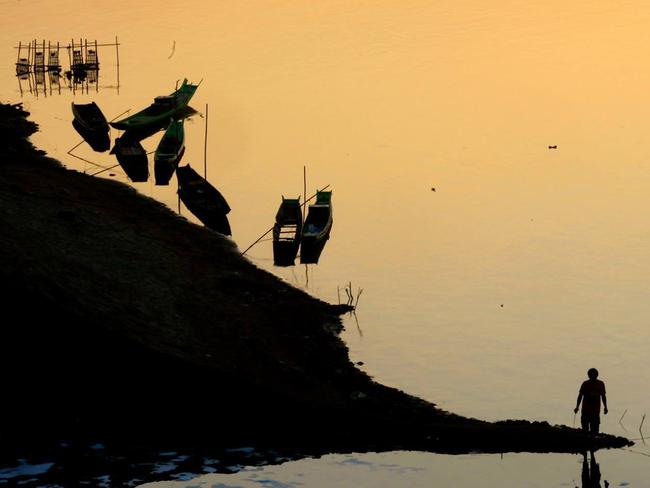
{"x":160,"y":112}
{"x":164,"y":168}
{"x":133,"y":159}
{"x":203,"y":200}
{"x":90,"y":123}
{"x":287,"y":232}
{"x":169,"y":152}
{"x":99,"y":141}
{"x":284,"y":253}
{"x":317,"y":228}
{"x":311,"y":247}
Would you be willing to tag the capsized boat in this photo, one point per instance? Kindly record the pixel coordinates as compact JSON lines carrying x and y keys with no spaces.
{"x":160,"y":111}
{"x":317,"y":227}
{"x":91,"y":124}
{"x":132,"y":158}
{"x":287,"y":232}
{"x":169,"y":152}
{"x":203,"y":200}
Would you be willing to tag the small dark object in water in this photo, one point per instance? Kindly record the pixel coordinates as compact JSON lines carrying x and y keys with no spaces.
{"x":502,"y":305}
{"x":359,"y":363}
{"x":553,"y":147}
{"x":433,"y":189}
{"x":111,"y":174}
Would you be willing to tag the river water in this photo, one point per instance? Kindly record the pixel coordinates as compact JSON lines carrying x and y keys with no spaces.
{"x":495,"y":270}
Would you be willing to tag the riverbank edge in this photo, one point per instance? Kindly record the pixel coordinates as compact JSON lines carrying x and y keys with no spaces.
{"x":284,"y":376}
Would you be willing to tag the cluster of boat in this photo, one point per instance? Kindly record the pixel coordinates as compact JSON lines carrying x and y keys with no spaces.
{"x":291,"y":231}
{"x":165,"y":113}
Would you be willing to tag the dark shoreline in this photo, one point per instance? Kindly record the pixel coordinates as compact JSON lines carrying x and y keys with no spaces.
{"x":139,"y":329}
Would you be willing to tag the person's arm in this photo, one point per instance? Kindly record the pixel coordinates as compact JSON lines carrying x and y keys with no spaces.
{"x":575,"y":410}
{"x":604,"y":400}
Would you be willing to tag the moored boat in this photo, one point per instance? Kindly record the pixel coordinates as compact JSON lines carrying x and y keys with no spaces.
{"x":169,"y":152}
{"x":203,"y":200}
{"x":317,"y":227}
{"x":132,"y":158}
{"x":91,"y":124}
{"x":287,"y":232}
{"x":160,"y":111}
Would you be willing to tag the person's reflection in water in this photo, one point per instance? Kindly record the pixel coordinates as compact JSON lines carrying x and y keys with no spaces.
{"x":591,"y":472}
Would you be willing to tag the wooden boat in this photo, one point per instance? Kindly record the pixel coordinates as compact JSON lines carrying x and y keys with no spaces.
{"x":160,"y":111}
{"x":317,"y":227}
{"x":203,"y":200}
{"x":287,"y":232}
{"x":169,"y":152}
{"x":90,"y":123}
{"x":132,"y":158}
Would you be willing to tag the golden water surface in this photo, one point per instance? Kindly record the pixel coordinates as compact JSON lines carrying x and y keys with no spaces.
{"x":491,"y":295}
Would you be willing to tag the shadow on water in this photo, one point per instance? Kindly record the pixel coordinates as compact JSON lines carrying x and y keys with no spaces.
{"x":591,"y":475}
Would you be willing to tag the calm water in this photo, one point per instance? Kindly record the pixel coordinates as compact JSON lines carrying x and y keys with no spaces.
{"x":490,"y":296}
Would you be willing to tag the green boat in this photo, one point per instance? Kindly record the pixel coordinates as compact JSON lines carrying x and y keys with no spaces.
{"x":316,"y":229}
{"x":160,"y":111}
{"x":169,"y":152}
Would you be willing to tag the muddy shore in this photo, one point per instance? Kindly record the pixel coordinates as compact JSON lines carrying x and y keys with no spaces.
{"x":123,"y":321}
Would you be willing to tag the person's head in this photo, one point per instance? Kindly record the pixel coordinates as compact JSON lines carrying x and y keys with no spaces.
{"x":592,"y":373}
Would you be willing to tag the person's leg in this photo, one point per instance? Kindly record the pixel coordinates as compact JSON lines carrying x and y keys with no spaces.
{"x":584,"y":420}
{"x":595,"y":424}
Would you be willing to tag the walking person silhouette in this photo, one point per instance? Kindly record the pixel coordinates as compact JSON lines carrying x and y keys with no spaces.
{"x":591,"y":392}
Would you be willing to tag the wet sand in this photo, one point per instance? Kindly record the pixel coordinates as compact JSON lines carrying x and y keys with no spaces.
{"x":126,"y":323}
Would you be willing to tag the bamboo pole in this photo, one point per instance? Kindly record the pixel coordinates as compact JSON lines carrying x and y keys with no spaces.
{"x":69,"y":49}
{"x":86,"y":160}
{"x":105,"y":169}
{"x":117,"y":53}
{"x":621,"y":419}
{"x":118,"y":116}
{"x":267,"y":232}
{"x":304,"y":190}
{"x":205,"y":146}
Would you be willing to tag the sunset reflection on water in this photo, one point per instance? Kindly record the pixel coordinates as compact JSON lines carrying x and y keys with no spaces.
{"x":494,"y":294}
